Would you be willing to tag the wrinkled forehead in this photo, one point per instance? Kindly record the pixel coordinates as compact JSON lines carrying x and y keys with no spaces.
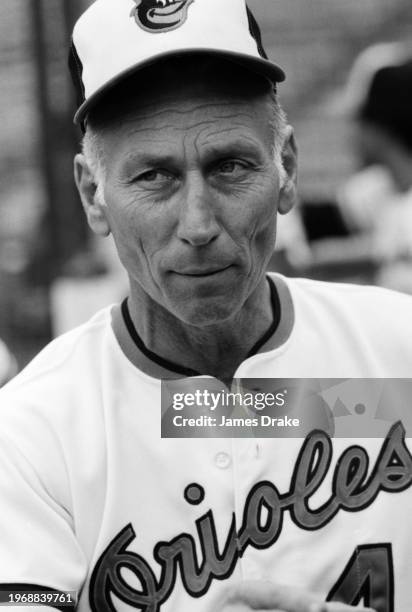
{"x":177,"y":81}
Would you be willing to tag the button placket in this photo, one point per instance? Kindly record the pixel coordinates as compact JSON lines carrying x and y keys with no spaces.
{"x":223,"y":460}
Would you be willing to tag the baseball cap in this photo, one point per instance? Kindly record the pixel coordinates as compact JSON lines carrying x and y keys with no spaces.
{"x":114,"y":39}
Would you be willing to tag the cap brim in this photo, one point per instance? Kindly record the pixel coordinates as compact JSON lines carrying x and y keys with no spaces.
{"x":257,"y":65}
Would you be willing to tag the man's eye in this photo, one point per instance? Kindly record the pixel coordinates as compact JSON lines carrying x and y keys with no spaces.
{"x":231,"y":167}
{"x":155,"y":176}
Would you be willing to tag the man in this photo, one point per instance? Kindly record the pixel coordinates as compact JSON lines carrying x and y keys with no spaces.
{"x":187,"y":161}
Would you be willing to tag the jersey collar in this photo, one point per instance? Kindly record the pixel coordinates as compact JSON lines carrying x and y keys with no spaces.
{"x":157,"y":367}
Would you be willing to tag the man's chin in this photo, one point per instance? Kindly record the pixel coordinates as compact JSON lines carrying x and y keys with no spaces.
{"x":210,"y":312}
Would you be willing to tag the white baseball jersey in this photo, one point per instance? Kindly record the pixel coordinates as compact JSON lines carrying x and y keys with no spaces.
{"x":92,"y":499}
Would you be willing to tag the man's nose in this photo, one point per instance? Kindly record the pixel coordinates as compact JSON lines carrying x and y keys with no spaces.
{"x":197,"y":216}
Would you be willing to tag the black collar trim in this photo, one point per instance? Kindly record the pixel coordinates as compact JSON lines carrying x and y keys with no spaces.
{"x":275,"y":301}
{"x":165,"y":363}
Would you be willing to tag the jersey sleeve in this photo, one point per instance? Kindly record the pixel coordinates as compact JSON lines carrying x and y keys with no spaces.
{"x":38,"y":546}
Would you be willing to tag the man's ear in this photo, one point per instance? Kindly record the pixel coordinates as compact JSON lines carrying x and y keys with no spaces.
{"x":288,"y":191}
{"x":92,"y":204}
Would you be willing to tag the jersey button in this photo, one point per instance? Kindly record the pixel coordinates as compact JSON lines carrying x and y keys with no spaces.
{"x":223,"y":461}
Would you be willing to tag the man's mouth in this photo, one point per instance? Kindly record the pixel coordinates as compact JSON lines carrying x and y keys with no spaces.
{"x":202,"y":272}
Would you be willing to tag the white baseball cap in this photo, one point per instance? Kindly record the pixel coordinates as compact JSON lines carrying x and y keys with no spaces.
{"x":114,"y":39}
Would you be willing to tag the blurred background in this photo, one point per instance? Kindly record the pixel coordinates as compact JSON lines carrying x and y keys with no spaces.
{"x":53,"y":274}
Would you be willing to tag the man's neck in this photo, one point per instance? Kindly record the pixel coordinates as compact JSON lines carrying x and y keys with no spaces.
{"x":215,"y":350}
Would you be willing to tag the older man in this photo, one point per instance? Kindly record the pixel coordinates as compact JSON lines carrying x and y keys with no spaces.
{"x":187,"y":162}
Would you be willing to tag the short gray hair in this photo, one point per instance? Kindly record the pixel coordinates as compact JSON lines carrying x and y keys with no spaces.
{"x":93,"y":147}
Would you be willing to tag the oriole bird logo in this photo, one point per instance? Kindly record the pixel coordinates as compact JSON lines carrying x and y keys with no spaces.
{"x":160,"y":15}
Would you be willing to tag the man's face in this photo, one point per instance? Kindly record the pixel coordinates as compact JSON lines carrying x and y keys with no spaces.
{"x":191,"y":196}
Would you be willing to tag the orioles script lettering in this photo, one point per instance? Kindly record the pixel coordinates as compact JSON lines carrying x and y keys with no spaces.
{"x":354,"y":488}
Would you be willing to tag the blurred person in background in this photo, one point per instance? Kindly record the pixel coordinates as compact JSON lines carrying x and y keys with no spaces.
{"x":377,"y":201}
